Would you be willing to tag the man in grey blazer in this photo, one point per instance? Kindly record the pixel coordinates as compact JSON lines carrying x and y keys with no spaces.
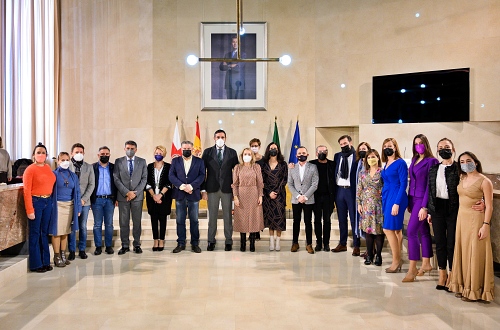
{"x":302,"y":183}
{"x":85,"y":173}
{"x":130,"y":176}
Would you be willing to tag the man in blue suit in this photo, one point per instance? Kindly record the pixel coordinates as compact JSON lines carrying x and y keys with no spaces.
{"x":187,"y":173}
{"x":345,"y":196}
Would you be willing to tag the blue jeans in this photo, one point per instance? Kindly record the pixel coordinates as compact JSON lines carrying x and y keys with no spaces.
{"x":103,"y":209}
{"x":38,"y":233}
{"x":180,"y":210}
{"x":82,"y":231}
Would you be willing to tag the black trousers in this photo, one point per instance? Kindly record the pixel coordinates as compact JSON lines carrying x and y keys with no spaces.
{"x":162,"y":220}
{"x":297,"y":215}
{"x":323,"y":210}
{"x":3,"y":177}
{"x":444,"y":225}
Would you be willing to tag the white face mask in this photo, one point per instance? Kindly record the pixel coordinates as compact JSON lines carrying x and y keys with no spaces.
{"x":78,"y":157}
{"x":247,"y":158}
{"x":220,"y":143}
{"x":255,"y":149}
{"x":64,"y":164}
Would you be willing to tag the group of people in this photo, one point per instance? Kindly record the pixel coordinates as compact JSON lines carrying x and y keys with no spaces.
{"x":451,"y":195}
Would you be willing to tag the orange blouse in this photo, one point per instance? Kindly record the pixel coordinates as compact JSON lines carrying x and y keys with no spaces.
{"x":37,"y":180}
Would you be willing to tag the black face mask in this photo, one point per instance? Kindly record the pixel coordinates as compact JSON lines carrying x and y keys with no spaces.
{"x":445,"y":153}
{"x":273,"y":152}
{"x":345,"y":149}
{"x":388,"y":152}
{"x":321,"y":156}
{"x":104,"y":159}
{"x":186,"y":153}
{"x":302,"y":158}
{"x":362,"y":154}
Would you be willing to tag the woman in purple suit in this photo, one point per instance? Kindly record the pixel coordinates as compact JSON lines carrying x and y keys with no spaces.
{"x":422,"y":161}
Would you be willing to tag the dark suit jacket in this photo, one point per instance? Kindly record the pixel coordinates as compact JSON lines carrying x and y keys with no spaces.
{"x":219,"y":177}
{"x":96,"y":176}
{"x":124,"y":183}
{"x":352,"y":174}
{"x":235,"y":77}
{"x":194,"y":177}
{"x":330,"y":177}
{"x":165,"y":208}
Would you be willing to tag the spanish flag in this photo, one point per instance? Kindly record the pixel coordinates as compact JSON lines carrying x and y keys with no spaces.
{"x":197,"y":140}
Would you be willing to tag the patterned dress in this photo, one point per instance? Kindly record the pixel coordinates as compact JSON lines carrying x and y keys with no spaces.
{"x":274,"y":209}
{"x":369,"y":196}
{"x":247,"y":186}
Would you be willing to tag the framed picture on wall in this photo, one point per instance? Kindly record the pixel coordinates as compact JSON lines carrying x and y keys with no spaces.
{"x":228,"y":85}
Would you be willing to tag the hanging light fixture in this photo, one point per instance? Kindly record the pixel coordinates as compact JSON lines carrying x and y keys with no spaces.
{"x":240,"y":30}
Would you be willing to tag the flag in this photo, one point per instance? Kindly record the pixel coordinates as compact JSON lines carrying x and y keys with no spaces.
{"x":197,"y":140}
{"x":276,"y":137}
{"x":176,"y":142}
{"x":295,"y":145}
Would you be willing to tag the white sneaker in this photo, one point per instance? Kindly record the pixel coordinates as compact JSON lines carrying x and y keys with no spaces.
{"x":271,"y":243}
{"x":277,"y":247}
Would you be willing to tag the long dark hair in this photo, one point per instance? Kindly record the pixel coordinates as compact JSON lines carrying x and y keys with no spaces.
{"x":425,"y":141}
{"x":40,"y":145}
{"x":359,"y":146}
{"x":279,"y":156}
{"x":479,"y":168}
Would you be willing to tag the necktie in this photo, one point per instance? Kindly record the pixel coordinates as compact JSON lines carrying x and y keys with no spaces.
{"x":130,"y":167}
{"x":219,"y":156}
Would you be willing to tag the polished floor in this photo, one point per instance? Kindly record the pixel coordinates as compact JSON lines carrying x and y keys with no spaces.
{"x":234,"y":290}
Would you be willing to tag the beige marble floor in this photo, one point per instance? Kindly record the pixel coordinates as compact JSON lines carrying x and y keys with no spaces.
{"x":233,"y":290}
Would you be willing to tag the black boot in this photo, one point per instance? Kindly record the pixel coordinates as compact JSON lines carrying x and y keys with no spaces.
{"x":243,"y":238}
{"x":252,"y":242}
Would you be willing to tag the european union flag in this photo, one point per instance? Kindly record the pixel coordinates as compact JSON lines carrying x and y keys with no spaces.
{"x":295,"y":145}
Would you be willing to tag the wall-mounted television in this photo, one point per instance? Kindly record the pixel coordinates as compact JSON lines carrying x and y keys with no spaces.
{"x":422,"y":97}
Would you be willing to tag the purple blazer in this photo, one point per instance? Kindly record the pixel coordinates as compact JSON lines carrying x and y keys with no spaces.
{"x":419,"y":180}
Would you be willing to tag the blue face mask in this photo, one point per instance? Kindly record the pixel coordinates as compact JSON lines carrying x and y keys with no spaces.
{"x":158,"y":157}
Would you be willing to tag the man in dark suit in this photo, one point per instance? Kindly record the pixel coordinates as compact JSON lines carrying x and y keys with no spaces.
{"x":235,"y":73}
{"x":103,"y":201}
{"x":345,"y":198}
{"x":219,"y":163}
{"x":324,"y":198}
{"x":302,"y":183}
{"x":130,"y":176}
{"x":187,"y":174}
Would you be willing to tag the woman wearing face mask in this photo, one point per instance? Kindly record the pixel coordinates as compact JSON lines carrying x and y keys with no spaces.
{"x":38,"y":181}
{"x":158,"y":196}
{"x":394,"y":199}
{"x":472,"y":274}
{"x":419,"y":235}
{"x":361,"y":151}
{"x":369,"y":201}
{"x":247,"y":191}
{"x":65,"y":211}
{"x":275,"y":177}
{"x":255,"y":147}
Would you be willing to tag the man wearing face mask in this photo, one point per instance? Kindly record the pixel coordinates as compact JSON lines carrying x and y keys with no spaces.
{"x":130,"y":175}
{"x":219,"y":163}
{"x":85,"y":173}
{"x":324,"y":198}
{"x":302,"y":182}
{"x":187,"y":174}
{"x":345,"y":195}
{"x":103,"y":201}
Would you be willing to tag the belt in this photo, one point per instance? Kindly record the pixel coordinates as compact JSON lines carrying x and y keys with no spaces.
{"x":105,"y":196}
{"x":345,"y":187}
{"x":41,"y":196}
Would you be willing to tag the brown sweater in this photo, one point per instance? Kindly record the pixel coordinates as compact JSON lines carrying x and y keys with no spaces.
{"x":38,"y":180}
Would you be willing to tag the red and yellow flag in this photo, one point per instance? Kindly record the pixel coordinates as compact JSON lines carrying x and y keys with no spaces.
{"x":197,"y":140}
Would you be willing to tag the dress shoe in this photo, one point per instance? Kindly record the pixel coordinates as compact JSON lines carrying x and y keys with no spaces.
{"x":137,"y":249}
{"x":161,"y":248}
{"x":109,"y":250}
{"x":39,"y":270}
{"x":71,"y":255}
{"x":442,"y":287}
{"x":195,"y":249}
{"x":340,"y":248}
{"x":98,"y":251}
{"x":179,"y":248}
{"x":155,"y":248}
{"x":123,"y":250}
{"x":368,"y":261}
{"x":295,"y":247}
{"x":378,"y":261}
{"x":211,"y":247}
{"x":356,"y":252}
{"x":309,"y":249}
{"x":326,"y":248}
{"x":318,"y":248}
{"x":228,"y":247}
{"x":82,"y":255}
{"x":48,"y":268}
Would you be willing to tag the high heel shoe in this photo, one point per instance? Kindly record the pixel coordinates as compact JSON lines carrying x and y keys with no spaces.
{"x":443,"y":287}
{"x":422,"y":271}
{"x":397,"y":270}
{"x":162,"y":247}
{"x":409,"y":277}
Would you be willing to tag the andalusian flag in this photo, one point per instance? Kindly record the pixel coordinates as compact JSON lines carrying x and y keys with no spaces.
{"x":197,"y":140}
{"x":295,"y":145}
{"x":276,"y":137}
{"x":176,"y":142}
